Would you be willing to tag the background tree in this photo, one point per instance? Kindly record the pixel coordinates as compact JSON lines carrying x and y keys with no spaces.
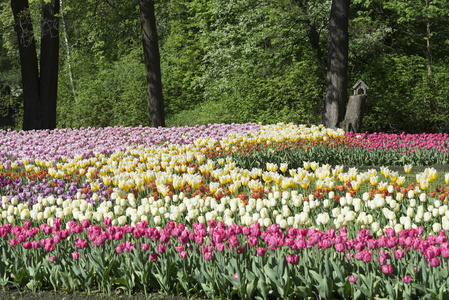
{"x":150,"y":45}
{"x":39,"y":84}
{"x":337,"y":64}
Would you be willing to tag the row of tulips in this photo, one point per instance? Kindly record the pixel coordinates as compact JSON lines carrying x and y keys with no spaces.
{"x":286,"y":143}
{"x":316,"y":196}
{"x":214,"y":260}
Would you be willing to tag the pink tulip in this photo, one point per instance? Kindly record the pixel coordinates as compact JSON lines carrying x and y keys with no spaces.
{"x":208,"y":255}
{"x":35,"y":244}
{"x":340,"y":247}
{"x":352,"y":278}
{"x":145,"y":247}
{"x":161,"y":248}
{"x":183,"y":254}
{"x":445,"y":253}
{"x":85,"y":223}
{"x":49,"y":247}
{"x":382,"y":259}
{"x":220,"y":247}
{"x":435,"y":262}
{"x":51,"y":259}
{"x":261,"y":251}
{"x":367,"y":256}
{"x":75,"y":255}
{"x":398,"y":254}
{"x":292,"y":259}
{"x":153,"y":257}
{"x":235,"y":276}
{"x":387,"y":269}
{"x":407,"y":279}
{"x":390,"y":232}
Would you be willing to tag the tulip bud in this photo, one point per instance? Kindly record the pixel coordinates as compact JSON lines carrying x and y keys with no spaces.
{"x":423,"y":197}
{"x":436,"y":227}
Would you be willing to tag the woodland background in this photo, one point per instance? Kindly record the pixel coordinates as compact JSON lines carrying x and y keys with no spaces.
{"x":240,"y":61}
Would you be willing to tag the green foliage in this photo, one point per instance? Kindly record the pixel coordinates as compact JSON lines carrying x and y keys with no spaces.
{"x":181,"y":25}
{"x":402,"y":99}
{"x":256,"y":65}
{"x":10,"y":79}
{"x":113,"y":95}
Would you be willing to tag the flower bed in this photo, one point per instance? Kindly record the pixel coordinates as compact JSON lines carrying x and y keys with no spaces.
{"x":219,"y":211}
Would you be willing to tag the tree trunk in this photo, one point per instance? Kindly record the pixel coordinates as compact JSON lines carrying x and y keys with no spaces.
{"x":337,"y":64}
{"x":155,"y":99}
{"x":49,"y":63}
{"x":28,"y":62}
{"x":66,"y":42}
{"x":429,"y":48}
{"x":354,"y":114}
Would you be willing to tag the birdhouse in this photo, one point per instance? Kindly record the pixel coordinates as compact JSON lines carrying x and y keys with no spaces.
{"x":360,"y":85}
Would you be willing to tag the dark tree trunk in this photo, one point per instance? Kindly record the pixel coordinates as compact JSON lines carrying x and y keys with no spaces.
{"x":155,"y":99}
{"x":28,"y":61}
{"x":39,"y":93}
{"x":49,"y":63}
{"x":337,"y":64}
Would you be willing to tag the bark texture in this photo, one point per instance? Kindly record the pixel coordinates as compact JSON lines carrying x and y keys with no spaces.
{"x":39,"y":92}
{"x":29,"y":66}
{"x":156,"y":116}
{"x":49,"y":63}
{"x":337,"y":64}
{"x":354,"y":113}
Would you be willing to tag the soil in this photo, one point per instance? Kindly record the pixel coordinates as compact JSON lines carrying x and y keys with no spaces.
{"x":12,"y":293}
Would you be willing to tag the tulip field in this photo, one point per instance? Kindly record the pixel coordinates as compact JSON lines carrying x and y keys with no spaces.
{"x":244,"y":211}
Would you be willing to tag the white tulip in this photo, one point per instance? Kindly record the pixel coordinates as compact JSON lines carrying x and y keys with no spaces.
{"x":350,"y":216}
{"x":267,"y":222}
{"x":423,"y":197}
{"x":375,"y":226}
{"x":336,"y":212}
{"x":435,"y":213}
{"x":427,"y":216}
{"x":398,"y":227}
{"x":446,"y":225}
{"x":365,"y":196}
{"x":283,"y":224}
